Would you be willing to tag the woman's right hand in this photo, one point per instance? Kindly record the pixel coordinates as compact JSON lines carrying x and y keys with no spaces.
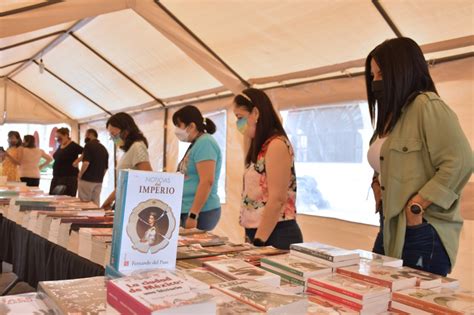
{"x":377,"y":194}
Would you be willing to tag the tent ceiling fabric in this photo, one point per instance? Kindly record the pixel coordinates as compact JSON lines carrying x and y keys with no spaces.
{"x":8,"y":5}
{"x":149,"y":58}
{"x":276,"y":37}
{"x":56,"y":93}
{"x":265,"y":42}
{"x":431,"y":21}
{"x":78,"y":66}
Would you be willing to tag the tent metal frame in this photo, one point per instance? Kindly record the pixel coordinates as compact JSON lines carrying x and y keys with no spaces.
{"x":387,"y":18}
{"x":29,"y":41}
{"x":29,"y":8}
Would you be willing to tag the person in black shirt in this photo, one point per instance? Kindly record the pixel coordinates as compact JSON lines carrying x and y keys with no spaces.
{"x":64,"y":172}
{"x":95,"y":162}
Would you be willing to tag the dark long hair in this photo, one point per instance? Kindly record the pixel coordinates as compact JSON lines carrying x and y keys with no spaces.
{"x":126,"y":124}
{"x":15,"y":134}
{"x":405,"y":74}
{"x":191,"y":114}
{"x":268,"y":124}
{"x":29,"y":141}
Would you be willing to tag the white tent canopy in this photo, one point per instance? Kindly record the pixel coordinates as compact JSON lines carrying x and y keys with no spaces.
{"x":88,"y":58}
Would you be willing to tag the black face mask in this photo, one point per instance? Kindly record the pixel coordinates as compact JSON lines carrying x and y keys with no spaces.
{"x":377,"y":90}
{"x":87,"y":140}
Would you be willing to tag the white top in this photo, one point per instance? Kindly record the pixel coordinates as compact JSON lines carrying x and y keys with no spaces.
{"x":29,"y":165}
{"x":137,"y":154}
{"x":373,"y":155}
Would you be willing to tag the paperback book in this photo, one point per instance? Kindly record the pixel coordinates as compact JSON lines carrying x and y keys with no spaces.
{"x":146,"y":220}
{"x":227,"y":305}
{"x":330,"y":253}
{"x":377,"y":259}
{"x":28,"y":303}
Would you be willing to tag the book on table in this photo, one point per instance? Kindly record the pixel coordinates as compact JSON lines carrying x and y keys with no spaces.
{"x":27,"y":303}
{"x":378,"y":259}
{"x":227,"y":305}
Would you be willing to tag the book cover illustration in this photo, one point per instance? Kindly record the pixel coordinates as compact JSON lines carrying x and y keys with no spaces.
{"x":320,"y":306}
{"x":378,"y":259}
{"x":295,"y":265}
{"x":238,"y":269}
{"x":227,"y":305}
{"x":150,"y":226}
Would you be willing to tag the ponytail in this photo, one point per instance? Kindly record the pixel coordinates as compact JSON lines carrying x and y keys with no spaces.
{"x":191,"y":114}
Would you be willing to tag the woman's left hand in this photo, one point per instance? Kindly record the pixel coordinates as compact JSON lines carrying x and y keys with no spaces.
{"x":190,"y":224}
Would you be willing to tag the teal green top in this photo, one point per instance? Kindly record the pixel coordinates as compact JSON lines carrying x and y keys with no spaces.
{"x":205,"y":148}
{"x":426,"y":153}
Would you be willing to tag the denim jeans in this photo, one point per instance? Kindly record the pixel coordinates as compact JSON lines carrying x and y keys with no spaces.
{"x":423,"y":250}
{"x":284,"y":234}
{"x":378,"y":244}
{"x":207,"y":220}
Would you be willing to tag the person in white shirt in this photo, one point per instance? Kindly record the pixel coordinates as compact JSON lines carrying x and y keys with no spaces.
{"x":30,"y":167}
{"x":129,"y":138}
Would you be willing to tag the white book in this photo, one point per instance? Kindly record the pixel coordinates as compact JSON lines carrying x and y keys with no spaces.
{"x":241,"y":270}
{"x":28,"y":303}
{"x":227,"y":305}
{"x":408,"y":309}
{"x":324,"y":251}
{"x":146,"y":220}
{"x":377,"y":259}
{"x":295,"y":266}
{"x":334,"y":265}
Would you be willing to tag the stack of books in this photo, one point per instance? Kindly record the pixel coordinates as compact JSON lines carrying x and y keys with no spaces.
{"x":158,"y":292}
{"x":204,"y":239}
{"x":89,"y":236}
{"x":227,"y":305}
{"x":28,"y":303}
{"x":424,"y":279}
{"x":318,"y":306}
{"x":334,"y":257}
{"x":204,"y":275}
{"x":78,"y":296}
{"x":294,"y":269}
{"x":197,"y":251}
{"x":390,"y":277}
{"x":240,"y":270}
{"x":253,"y":256}
{"x":433,"y":301}
{"x":360,"y":296}
{"x":263,"y":297}
{"x":377,"y":259}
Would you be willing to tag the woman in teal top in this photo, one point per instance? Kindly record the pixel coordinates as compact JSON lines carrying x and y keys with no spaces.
{"x":201,"y":167}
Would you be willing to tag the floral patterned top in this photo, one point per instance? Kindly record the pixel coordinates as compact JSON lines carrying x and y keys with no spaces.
{"x":255,"y":192}
{"x":10,"y":169}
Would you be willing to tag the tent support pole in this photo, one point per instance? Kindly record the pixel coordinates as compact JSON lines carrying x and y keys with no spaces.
{"x":73,"y":88}
{"x":387,"y":18}
{"x":32,"y":40}
{"x":158,"y":100}
{"x":165,"y":135}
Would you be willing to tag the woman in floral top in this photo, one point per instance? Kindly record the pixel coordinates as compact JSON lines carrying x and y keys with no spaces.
{"x":268,"y":209}
{"x":12,"y":157}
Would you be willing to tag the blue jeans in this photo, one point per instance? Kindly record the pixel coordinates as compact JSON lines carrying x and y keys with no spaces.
{"x":284,"y":234}
{"x":424,"y":250}
{"x":207,"y":220}
{"x":378,"y":244}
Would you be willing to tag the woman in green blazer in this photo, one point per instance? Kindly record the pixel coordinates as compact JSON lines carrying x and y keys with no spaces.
{"x":421,"y":158}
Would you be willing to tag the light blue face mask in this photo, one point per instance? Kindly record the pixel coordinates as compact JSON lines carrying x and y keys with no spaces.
{"x":242,"y":124}
{"x":117,"y":140}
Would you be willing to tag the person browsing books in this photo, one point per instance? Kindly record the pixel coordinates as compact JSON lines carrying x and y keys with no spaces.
{"x":201,"y":166}
{"x":268,"y":208}
{"x":12,"y":156}
{"x":129,"y":138}
{"x":30,"y":168}
{"x":64,"y":172}
{"x":421,"y":158}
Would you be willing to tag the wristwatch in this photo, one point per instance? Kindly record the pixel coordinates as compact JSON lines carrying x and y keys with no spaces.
{"x":258,"y":242}
{"x":416,"y":208}
{"x":193,"y":216}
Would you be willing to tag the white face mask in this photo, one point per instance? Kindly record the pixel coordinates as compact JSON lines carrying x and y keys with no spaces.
{"x":181,"y":134}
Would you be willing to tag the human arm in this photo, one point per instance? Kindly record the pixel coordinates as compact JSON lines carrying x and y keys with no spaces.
{"x":48,"y":159}
{"x":109,"y":201}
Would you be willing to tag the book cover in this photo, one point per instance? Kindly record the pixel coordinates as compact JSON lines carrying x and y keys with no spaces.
{"x":227,"y":305}
{"x":424,"y":279}
{"x":318,"y":306}
{"x":87,"y":295}
{"x":146,"y":220}
{"x":343,"y":263}
{"x":437,"y":301}
{"x":266,"y":298}
{"x":203,"y":239}
{"x":378,"y":259}
{"x":238,"y":269}
{"x":194,"y":263}
{"x":300,"y":267}
{"x":192,"y":251}
{"x":350,"y":287}
{"x":449,"y":283}
{"x":183,"y":231}
{"x":28,"y":303}
{"x":156,"y":291}
{"x":204,"y":275}
{"x":389,"y":277}
{"x":324,"y":251}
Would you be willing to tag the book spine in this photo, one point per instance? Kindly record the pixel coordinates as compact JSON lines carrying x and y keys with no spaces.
{"x":123,"y":302}
{"x":313,"y":252}
{"x":369,"y":279}
{"x":119,"y":217}
{"x":283,"y":267}
{"x":422,"y":305}
{"x":286,"y":277}
{"x":336,"y":299}
{"x":335,"y":289}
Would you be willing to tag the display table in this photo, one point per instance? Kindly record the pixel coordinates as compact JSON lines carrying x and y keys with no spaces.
{"x":36,"y":259}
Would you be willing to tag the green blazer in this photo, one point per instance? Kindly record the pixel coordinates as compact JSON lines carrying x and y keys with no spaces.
{"x":426,"y":153}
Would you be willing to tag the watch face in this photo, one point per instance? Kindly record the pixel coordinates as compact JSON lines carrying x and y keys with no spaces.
{"x":416,"y":209}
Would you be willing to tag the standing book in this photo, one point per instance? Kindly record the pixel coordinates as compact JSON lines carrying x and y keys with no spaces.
{"x":264,"y":297}
{"x":238,"y":269}
{"x":389,"y":277}
{"x":158,"y":292}
{"x":146,"y":220}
